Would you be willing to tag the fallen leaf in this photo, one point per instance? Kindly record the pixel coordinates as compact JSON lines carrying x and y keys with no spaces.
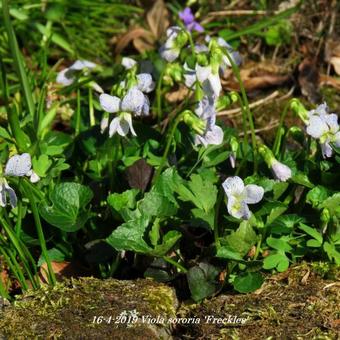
{"x":177,"y":95}
{"x":158,"y":19}
{"x":309,"y":79}
{"x":139,"y":174}
{"x":332,"y":54}
{"x":125,"y":39}
{"x":60,"y":269}
{"x":144,"y":42}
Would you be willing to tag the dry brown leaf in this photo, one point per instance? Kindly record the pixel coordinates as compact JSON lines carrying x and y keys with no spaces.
{"x":177,"y":95}
{"x":335,"y":61}
{"x":158,"y":19}
{"x":129,"y":36}
{"x":61,"y":269}
{"x":309,"y":80}
{"x":330,"y":81}
{"x":144,"y":42}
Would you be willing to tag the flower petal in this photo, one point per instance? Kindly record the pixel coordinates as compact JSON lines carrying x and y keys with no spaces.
{"x":109,"y":103}
{"x":337,"y":139}
{"x":114,"y":126}
{"x":125,"y":125}
{"x":81,"y":64}
{"x":146,"y":106}
{"x":281,"y":171}
{"x":145,"y":82}
{"x":133,"y":101}
{"x":233,"y":186}
{"x":202,"y":72}
{"x":254,"y":194}
{"x":237,"y":208}
{"x":12,"y":195}
{"x":104,"y":124}
{"x":326,"y":150}
{"x":65,"y":77}
{"x":332,"y":122}
{"x":34,"y":178}
{"x":316,"y":127}
{"x":128,"y":63}
{"x":18,"y":165}
{"x":215,"y":83}
{"x":3,"y":200}
{"x":214,"y":136}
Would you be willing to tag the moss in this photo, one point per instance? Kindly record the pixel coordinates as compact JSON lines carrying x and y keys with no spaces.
{"x":69,"y":310}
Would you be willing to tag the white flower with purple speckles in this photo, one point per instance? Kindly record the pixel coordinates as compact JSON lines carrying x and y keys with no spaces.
{"x":281,"y":171}
{"x":133,"y":103}
{"x":16,"y":166}
{"x":239,"y":196}
{"x":170,"y":50}
{"x":324,"y":127}
{"x":67,"y":76}
{"x":213,"y":134}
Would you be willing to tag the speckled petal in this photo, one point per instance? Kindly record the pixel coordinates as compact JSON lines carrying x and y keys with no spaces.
{"x":133,"y":101}
{"x":233,"y":185}
{"x":109,"y":103}
{"x":254,"y":194}
{"x":18,"y":165}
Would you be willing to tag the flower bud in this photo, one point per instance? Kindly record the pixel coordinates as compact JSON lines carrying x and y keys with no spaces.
{"x":181,"y":39}
{"x":202,"y":59}
{"x":194,"y":122}
{"x":281,"y":171}
{"x":325,"y":216}
{"x":299,"y":109}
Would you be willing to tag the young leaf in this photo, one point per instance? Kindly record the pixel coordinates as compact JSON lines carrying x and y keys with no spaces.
{"x":67,"y":211}
{"x":129,"y":236}
{"x":201,"y":280}
{"x":169,"y":240}
{"x":311,"y":232}
{"x":200,"y":192}
{"x":278,"y":244}
{"x":248,"y":282}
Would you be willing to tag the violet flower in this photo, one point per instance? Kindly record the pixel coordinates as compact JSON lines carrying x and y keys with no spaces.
{"x":189,"y":20}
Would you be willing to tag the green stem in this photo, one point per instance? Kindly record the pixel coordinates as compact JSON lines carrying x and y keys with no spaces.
{"x":30,"y":196}
{"x":277,"y":142}
{"x":176,"y":264}
{"x":91,"y":110}
{"x":159,"y":97}
{"x":236,"y":72}
{"x":77,"y":123}
{"x":216,"y":224}
{"x":167,"y":148}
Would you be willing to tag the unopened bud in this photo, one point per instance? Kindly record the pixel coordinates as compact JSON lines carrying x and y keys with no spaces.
{"x":194,"y":122}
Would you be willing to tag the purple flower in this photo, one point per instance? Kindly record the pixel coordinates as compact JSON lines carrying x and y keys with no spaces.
{"x":189,"y":20}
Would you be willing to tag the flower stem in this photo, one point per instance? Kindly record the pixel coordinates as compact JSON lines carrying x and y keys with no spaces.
{"x":91,"y":110}
{"x":167,"y":147}
{"x":278,"y":137}
{"x":176,"y":264}
{"x":236,"y":72}
{"x":41,"y":237}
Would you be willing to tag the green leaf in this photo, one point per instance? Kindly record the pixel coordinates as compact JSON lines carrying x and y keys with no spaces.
{"x":332,"y":204}
{"x":332,"y":253}
{"x":241,"y":240}
{"x":317,"y":195}
{"x":167,"y":184}
{"x":278,"y":244}
{"x":169,"y":240}
{"x":311,"y":232}
{"x":123,"y":203}
{"x":201,"y":280}
{"x":227,"y":253}
{"x":154,"y":204}
{"x":129,"y":236}
{"x":207,"y":219}
{"x":278,"y":261}
{"x":68,"y":206}
{"x":302,"y":179}
{"x":314,"y":244}
{"x":248,"y":282}
{"x":41,"y":165}
{"x":54,"y":254}
{"x":200,"y":192}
